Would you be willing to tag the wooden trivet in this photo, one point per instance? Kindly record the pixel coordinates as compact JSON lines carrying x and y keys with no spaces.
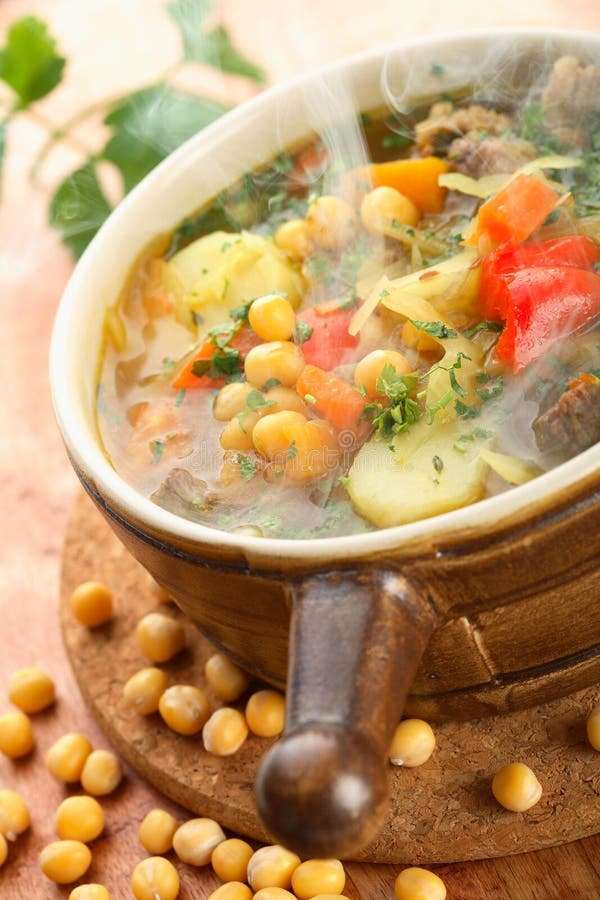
{"x":442,"y":811}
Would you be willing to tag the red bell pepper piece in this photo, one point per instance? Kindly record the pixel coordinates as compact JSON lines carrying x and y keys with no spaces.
{"x":515,"y":211}
{"x":330,"y":343}
{"x":574,"y":250}
{"x":544,"y":305}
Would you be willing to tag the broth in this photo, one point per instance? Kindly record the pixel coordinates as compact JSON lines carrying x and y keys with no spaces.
{"x":323,"y":352}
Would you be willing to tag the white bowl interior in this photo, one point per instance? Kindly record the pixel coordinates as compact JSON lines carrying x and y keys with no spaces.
{"x":216,"y":158}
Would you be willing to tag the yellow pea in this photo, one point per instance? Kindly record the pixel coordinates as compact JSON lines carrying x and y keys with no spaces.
{"x":272,"y":318}
{"x":92,"y":603}
{"x":370,"y":369}
{"x":65,"y":861}
{"x":332,"y":223}
{"x":31,"y":690}
{"x":16,"y":734}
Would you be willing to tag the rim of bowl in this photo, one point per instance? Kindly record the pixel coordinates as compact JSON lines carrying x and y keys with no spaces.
{"x":86,"y":451}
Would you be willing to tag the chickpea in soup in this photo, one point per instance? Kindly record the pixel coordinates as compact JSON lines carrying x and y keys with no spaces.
{"x":298,"y":362}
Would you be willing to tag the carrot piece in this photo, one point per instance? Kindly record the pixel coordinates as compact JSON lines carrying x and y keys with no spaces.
{"x":515,"y":211}
{"x":186,"y":378}
{"x":334,"y":399}
{"x":417,"y":179}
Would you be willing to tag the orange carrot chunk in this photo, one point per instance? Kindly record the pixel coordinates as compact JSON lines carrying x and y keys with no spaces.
{"x":417,"y":179}
{"x":515,"y":211}
{"x":336,"y":400}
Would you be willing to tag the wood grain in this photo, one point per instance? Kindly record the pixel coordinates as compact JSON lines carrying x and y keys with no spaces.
{"x":115,"y":45}
{"x":442,"y":811}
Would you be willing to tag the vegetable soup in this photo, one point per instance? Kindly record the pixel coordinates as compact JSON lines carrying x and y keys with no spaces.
{"x":327,"y":350}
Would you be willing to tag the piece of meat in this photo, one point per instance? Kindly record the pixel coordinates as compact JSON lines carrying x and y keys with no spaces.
{"x":573,"y":423}
{"x":446,"y":122}
{"x":572,"y":96}
{"x":478,"y":155}
{"x":184,"y":495}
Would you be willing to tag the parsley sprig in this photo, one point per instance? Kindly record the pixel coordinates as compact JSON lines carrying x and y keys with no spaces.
{"x":142,"y":127}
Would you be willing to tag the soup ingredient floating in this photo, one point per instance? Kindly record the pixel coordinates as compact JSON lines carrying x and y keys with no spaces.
{"x":350,"y":359}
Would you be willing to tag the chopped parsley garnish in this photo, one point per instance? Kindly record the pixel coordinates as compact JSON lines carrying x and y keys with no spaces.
{"x":180,"y":397}
{"x":402,"y":411}
{"x":437,"y":69}
{"x":396,"y":140}
{"x":168,"y":364}
{"x":240,"y":313}
{"x":435,"y":329}
{"x":158,"y":449}
{"x":438,"y":464}
{"x":271,"y":383}
{"x":255,"y":399}
{"x":483,"y":326}
{"x":465,"y":411}
{"x":247,"y":466}
{"x":491,"y":387}
{"x":303,"y":330}
{"x":292,"y":450}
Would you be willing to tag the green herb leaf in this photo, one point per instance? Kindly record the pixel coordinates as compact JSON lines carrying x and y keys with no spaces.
{"x":78,"y":208}
{"x":292,"y":450}
{"x":180,"y":397}
{"x":150,"y":124}
{"x":435,"y":329}
{"x":240,"y":313}
{"x":271,"y":383}
{"x":247,"y":466}
{"x":438,"y":463}
{"x":214,"y":47}
{"x":483,"y":326}
{"x":303,"y":330}
{"x":465,"y":411}
{"x":402,"y":411}
{"x":29,"y":62}
{"x":158,"y":449}
{"x":396,"y":140}
{"x":255,"y":399}
{"x":492,"y":388}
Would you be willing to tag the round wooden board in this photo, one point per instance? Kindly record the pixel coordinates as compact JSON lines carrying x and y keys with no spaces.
{"x":440,"y":812}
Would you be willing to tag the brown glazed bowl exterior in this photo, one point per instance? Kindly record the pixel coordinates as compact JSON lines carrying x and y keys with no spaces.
{"x":503,"y":596}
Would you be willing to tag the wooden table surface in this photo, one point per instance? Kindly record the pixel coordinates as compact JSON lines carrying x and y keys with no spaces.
{"x":114,"y":45}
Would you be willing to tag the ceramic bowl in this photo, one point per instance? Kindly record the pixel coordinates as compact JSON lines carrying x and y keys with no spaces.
{"x":484,"y":609}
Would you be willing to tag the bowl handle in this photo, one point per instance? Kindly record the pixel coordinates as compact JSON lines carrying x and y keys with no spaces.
{"x":356,"y":639}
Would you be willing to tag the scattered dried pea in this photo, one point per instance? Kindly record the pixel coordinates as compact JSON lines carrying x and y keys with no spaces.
{"x":234,"y":890}
{"x":89,"y":892}
{"x":156,"y":831}
{"x":79,"y":818}
{"x":226,"y":679}
{"x":16,"y":734}
{"x":265,"y":713}
{"x":184,"y":708}
{"x":195,"y":840}
{"x":31,"y":690}
{"x":144,"y":690}
{"x":516,"y":788}
{"x":419,"y":884}
{"x":225,"y":731}
{"x":318,"y":876}
{"x":272,"y":866}
{"x":230,"y":859}
{"x":273,"y":893}
{"x":593,"y":727}
{"x":92,"y":604}
{"x":14,"y":814}
{"x":160,"y":637}
{"x":155,"y":878}
{"x":66,"y":757}
{"x":412,"y":744}
{"x":102,"y":773}
{"x":65,"y":861}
